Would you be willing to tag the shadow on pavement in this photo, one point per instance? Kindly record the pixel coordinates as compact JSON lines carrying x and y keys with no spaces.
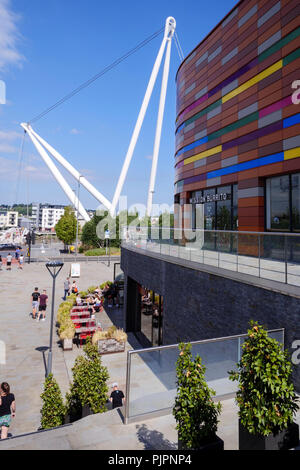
{"x":153,"y":440}
{"x":42,"y":349}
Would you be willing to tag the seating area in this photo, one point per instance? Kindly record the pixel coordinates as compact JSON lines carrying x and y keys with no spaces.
{"x":84,"y":322}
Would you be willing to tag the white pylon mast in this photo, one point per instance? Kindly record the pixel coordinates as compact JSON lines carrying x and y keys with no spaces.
{"x":83,"y":181}
{"x":169,"y":31}
{"x":41,"y":144}
{"x":57,"y":175}
{"x":160,"y":115}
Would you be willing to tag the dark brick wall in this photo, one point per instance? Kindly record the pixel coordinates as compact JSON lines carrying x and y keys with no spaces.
{"x":199,"y":305}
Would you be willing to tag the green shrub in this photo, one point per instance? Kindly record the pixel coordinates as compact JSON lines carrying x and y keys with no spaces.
{"x":266,"y":397}
{"x":67,"y":324}
{"x":89,"y":385}
{"x":104,"y":284}
{"x":195,"y":412}
{"x":83,"y":294}
{"x":92,"y":289}
{"x":53,"y":410}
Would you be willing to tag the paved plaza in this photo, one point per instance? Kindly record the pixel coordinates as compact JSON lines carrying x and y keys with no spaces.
{"x":26,"y":344}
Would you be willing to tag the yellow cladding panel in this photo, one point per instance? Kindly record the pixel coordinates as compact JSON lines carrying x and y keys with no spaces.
{"x":265,"y":73}
{"x":292,"y":153}
{"x":201,"y":155}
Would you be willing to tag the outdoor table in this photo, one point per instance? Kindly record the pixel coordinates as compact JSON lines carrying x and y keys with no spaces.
{"x":83,"y":320}
{"x":85,"y":329}
{"x":79,"y":309}
{"x":80,"y":314}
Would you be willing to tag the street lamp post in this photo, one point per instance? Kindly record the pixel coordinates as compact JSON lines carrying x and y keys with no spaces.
{"x":54,"y":269}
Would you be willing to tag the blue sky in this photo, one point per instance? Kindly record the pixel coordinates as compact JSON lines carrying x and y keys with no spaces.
{"x":49,"y":48}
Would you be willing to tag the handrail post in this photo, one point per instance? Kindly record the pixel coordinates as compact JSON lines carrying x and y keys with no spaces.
{"x":285,"y":259}
{"x":258,"y":255}
{"x":237,"y":251}
{"x":128,"y":371}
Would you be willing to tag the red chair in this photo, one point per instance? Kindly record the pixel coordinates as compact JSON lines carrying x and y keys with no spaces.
{"x":82,"y":336}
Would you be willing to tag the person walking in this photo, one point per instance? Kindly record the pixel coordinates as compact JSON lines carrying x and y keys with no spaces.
{"x":35,"y":296}
{"x":66,"y":288}
{"x":74,"y":288}
{"x":117,"y":397}
{"x":17,"y":253}
{"x":0,"y":263}
{"x":43,"y":305}
{"x":8,"y":262}
{"x":21,"y":261}
{"x":7,"y":409}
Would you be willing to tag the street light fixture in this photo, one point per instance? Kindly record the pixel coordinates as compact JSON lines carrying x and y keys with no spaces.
{"x":54,"y":268}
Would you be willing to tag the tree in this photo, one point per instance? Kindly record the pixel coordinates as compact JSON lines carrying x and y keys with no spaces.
{"x":66,"y":226}
{"x":53,"y":410}
{"x":266,"y":396}
{"x":89,"y":385}
{"x":195,"y":412}
{"x":93,"y":231}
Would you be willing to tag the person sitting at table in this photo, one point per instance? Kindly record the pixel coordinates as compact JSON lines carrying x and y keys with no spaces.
{"x":98,"y":304}
{"x":78,"y":301}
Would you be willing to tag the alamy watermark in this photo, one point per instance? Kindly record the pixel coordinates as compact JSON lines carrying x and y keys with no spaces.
{"x":296,"y":94}
{"x":296,"y":354}
{"x":2,"y":92}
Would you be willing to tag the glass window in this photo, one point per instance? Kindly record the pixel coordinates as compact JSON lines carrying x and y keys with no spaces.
{"x":296,"y":201}
{"x":197,"y":210}
{"x":209,"y":210}
{"x":278,"y":203}
{"x":224,"y":208}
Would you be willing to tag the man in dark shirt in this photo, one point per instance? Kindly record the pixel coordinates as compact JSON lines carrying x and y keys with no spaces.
{"x":116,"y":397}
{"x":35,"y":301}
{"x":43,"y":305}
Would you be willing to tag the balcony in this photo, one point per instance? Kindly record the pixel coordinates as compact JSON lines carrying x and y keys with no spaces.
{"x":265,"y":255}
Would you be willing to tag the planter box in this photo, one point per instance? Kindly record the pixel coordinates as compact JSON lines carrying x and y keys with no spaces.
{"x":216,"y":444}
{"x":86,"y":411}
{"x":284,"y":440}
{"x":109,"y":346}
{"x":67,"y":344}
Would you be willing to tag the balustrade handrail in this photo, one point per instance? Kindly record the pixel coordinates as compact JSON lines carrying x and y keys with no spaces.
{"x":236,"y":232}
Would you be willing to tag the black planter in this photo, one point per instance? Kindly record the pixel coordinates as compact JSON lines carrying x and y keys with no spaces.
{"x":215,"y":444}
{"x":86,"y":411}
{"x":284,"y":440}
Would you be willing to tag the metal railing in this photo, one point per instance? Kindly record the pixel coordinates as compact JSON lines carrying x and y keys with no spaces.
{"x":151,"y":373}
{"x":274,"y":256}
{"x":72,"y":259}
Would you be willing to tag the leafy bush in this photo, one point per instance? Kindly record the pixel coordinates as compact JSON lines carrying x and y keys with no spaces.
{"x":92,"y":289}
{"x":83,"y":294}
{"x":67,"y":324}
{"x":102,"y":251}
{"x":89,"y":385}
{"x":53,"y":410}
{"x":195,"y":412}
{"x":266,"y":396}
{"x":105,"y":283}
{"x":117,"y":334}
{"x":67,"y":333}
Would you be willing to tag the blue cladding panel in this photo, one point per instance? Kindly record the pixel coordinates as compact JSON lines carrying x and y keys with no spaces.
{"x":276,"y":157}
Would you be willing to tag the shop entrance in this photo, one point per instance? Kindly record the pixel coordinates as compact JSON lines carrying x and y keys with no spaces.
{"x":150,"y":311}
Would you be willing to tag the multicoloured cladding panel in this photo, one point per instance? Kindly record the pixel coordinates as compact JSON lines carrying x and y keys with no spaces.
{"x":236,"y":122}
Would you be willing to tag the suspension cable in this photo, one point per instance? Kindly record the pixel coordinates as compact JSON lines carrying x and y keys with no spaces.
{"x":179,"y":48}
{"x":97,"y":76}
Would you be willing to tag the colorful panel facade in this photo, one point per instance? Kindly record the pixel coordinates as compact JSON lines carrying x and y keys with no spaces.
{"x":238,"y":121}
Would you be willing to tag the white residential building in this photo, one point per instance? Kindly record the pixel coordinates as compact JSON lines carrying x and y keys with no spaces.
{"x":9,"y":219}
{"x":46,"y":216}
